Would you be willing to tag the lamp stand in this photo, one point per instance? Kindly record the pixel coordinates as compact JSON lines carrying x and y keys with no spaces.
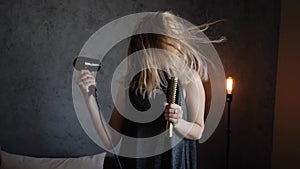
{"x":228,"y":100}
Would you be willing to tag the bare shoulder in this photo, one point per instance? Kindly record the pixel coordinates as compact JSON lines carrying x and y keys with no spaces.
{"x":194,"y":85}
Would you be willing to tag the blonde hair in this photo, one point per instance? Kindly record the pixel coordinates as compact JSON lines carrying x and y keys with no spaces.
{"x":174,"y":35}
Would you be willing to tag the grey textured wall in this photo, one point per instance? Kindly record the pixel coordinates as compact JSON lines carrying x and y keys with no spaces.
{"x":40,"y":38}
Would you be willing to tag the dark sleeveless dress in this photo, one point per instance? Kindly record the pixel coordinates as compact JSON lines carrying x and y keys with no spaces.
{"x":182,"y":156}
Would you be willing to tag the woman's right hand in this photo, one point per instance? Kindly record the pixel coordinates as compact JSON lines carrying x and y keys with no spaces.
{"x":86,"y":79}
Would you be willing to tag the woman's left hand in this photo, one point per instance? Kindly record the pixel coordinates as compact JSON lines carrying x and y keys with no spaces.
{"x":173,"y":113}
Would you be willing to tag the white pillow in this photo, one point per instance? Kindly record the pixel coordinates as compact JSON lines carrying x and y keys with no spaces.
{"x":13,"y":161}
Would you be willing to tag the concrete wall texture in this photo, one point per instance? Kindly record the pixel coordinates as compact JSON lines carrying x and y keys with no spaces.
{"x":39,"y":39}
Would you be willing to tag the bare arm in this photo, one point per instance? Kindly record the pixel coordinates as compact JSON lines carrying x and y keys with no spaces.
{"x":84,"y":80}
{"x":193,"y":127}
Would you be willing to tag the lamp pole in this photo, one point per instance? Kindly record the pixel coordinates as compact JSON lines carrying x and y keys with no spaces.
{"x":229,"y":85}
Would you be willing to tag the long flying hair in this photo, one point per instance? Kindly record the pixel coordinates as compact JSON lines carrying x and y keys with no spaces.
{"x":179,"y":57}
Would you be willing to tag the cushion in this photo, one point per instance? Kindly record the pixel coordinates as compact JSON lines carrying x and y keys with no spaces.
{"x":13,"y":161}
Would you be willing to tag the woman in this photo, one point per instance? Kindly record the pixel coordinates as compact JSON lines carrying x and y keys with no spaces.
{"x":149,"y":71}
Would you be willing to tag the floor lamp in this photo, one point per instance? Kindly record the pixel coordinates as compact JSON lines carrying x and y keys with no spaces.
{"x":229,"y":87}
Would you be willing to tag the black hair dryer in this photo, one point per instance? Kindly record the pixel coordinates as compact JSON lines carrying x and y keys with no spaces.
{"x":91,"y":64}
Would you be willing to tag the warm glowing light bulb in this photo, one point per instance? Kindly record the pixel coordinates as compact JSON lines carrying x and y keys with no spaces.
{"x":229,"y":84}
